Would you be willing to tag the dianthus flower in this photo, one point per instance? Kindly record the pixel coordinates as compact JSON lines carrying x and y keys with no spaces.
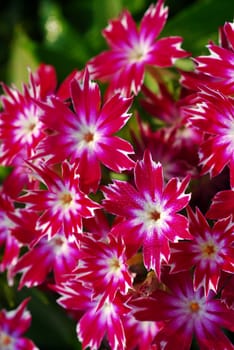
{"x":186,"y":313}
{"x":86,"y":135}
{"x":150,"y":211}
{"x":62,"y":204}
{"x":210,"y":252}
{"x":13,"y":324}
{"x":132,"y":49}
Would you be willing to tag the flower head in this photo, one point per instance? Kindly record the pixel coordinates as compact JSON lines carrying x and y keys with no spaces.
{"x":132,"y":49}
{"x":13,"y":325}
{"x":210,"y":252}
{"x":86,"y":135}
{"x":186,"y":313}
{"x":150,"y":211}
{"x":62,"y":204}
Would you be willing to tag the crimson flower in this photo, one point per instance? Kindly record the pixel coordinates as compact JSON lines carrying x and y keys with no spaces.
{"x":186,"y":313}
{"x":59,"y":255}
{"x":132,"y":49}
{"x":103,"y":266}
{"x":86,"y":135}
{"x":150,"y":211}
{"x":213,"y":114}
{"x":13,"y":325}
{"x":211,"y":250}
{"x":216,"y":69}
{"x":62,"y":204}
{"x":97,"y":321}
{"x":21,"y":127}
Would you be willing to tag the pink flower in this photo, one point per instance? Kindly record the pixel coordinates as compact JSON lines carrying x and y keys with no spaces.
{"x":97,"y":321}
{"x":13,"y":325}
{"x":86,"y":135}
{"x":103,"y":266}
{"x":59,"y":255}
{"x":62,"y":204}
{"x":150,"y":211}
{"x":216,"y":70}
{"x":132,"y":49}
{"x":186,"y":313}
{"x":213,"y":114}
{"x":21,"y":127}
{"x":210,"y":252}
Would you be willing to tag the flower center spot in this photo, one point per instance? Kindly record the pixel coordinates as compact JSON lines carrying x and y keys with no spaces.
{"x":154,"y":215}
{"x":66,"y":198}
{"x":194,"y":306}
{"x":89,"y":137}
{"x":5,"y":339}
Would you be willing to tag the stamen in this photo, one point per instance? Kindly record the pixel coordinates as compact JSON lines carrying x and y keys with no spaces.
{"x":194,"y":306}
{"x":88,"y":137}
{"x":155,"y":215}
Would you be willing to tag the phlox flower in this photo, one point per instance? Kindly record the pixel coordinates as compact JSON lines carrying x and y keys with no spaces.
{"x":58,"y":255}
{"x":13,"y":324}
{"x":216,"y":69}
{"x":213,"y":114}
{"x":103,"y":266}
{"x":132,"y":49}
{"x":86,"y":135}
{"x":210,"y":252}
{"x":62,"y":204}
{"x":186,"y":313}
{"x":21,"y":127}
{"x":97,"y":322}
{"x":150,"y":211}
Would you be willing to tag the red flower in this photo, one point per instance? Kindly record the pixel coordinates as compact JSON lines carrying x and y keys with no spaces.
{"x":216,"y":70}
{"x":21,"y":127}
{"x":13,"y":325}
{"x":211,"y":251}
{"x":62,"y":204}
{"x":186,"y":313}
{"x":103,"y":266}
{"x":213,"y":114}
{"x":86,"y":135}
{"x":59,"y":255}
{"x":132,"y":49}
{"x":150,"y":211}
{"x":97,"y":321}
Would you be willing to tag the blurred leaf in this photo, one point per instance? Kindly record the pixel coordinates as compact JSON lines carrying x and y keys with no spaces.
{"x":199,"y":23}
{"x":22,"y":57}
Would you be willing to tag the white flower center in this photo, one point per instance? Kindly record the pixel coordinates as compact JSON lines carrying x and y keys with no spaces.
{"x":28,"y":125}
{"x":6,"y":341}
{"x":138,"y":53}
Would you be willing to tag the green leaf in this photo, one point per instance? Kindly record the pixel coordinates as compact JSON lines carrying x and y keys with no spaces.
{"x":22,"y":58}
{"x":199,"y":23}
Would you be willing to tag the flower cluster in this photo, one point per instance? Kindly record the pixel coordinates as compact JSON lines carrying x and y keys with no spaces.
{"x":133,"y":232}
